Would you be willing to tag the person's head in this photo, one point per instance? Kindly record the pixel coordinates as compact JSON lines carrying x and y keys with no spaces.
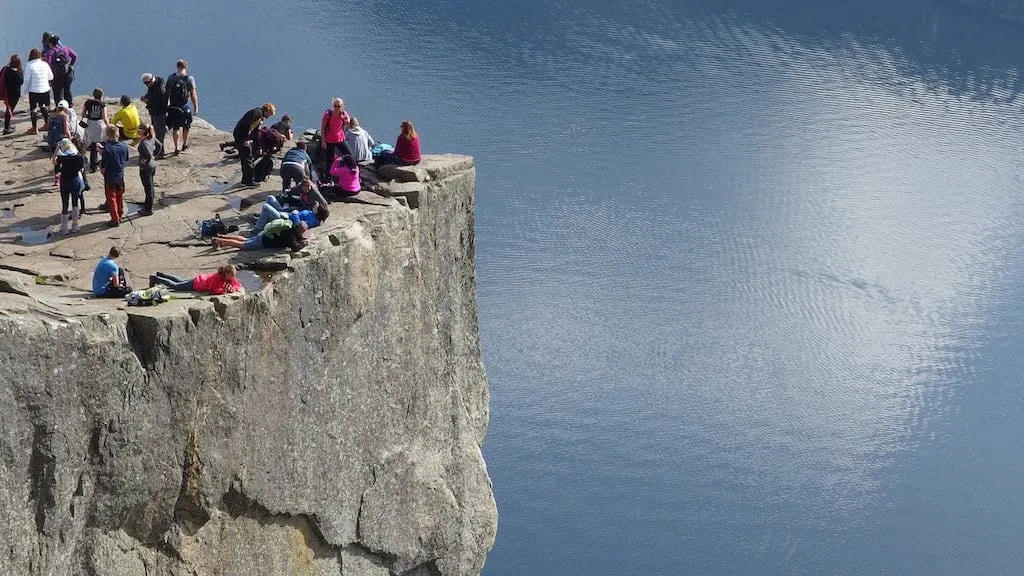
{"x":322,"y":212}
{"x":46,"y":38}
{"x":114,"y":253}
{"x":14,"y":62}
{"x":66,"y":148}
{"x":349,"y":162}
{"x":62,"y":106}
{"x":33,"y":54}
{"x":353,"y":122}
{"x":97,"y":94}
{"x":147,"y":78}
{"x":408,"y":131}
{"x":268,"y":110}
{"x":112,"y":132}
{"x":53,"y":41}
{"x":287,"y":119}
{"x":301,"y":144}
{"x":181,"y":66}
{"x":227,"y":272}
{"x":337,"y":105}
{"x":145,"y":130}
{"x":125,"y":100}
{"x":307,"y":184}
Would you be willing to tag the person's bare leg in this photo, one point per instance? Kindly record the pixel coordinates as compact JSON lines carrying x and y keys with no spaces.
{"x":174,"y":137}
{"x":184,"y":138}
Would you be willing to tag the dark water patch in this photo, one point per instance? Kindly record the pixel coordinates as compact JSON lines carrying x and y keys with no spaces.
{"x":31,"y":235}
{"x":253,"y":281}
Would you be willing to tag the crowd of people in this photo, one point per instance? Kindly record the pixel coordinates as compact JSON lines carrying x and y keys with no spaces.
{"x":95,"y":140}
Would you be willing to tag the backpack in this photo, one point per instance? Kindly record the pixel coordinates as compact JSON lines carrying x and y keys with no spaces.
{"x":147,"y":297}
{"x":210,"y":228}
{"x":61,"y":65}
{"x":177,"y":89}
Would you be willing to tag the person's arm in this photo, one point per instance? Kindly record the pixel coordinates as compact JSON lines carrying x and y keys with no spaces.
{"x":49,"y":74}
{"x":115,"y":279}
{"x":323,"y":129}
{"x":118,"y":117}
{"x":105,"y":119}
{"x":72,"y":55}
{"x":369,"y":140}
{"x":194,"y":95}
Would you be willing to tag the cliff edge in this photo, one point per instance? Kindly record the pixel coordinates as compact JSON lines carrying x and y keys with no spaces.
{"x":329,"y":421}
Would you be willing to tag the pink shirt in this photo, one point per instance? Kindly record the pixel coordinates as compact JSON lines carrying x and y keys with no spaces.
{"x":348,"y":180}
{"x":213,"y":283}
{"x":408,"y":150}
{"x":333,"y":126}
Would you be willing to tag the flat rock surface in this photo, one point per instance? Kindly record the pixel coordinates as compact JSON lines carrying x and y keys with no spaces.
{"x":193,"y":185}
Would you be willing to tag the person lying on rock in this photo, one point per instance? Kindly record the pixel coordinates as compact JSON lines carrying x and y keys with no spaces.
{"x":280,"y":233}
{"x":109,"y":280}
{"x":223,"y":281}
{"x":345,"y":172}
{"x":273,"y":210}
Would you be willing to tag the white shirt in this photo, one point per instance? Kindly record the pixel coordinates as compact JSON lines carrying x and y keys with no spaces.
{"x":38,"y":76}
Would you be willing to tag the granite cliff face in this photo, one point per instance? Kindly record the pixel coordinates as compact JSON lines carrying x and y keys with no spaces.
{"x":329,"y":423}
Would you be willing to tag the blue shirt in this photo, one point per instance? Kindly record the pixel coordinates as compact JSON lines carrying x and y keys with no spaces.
{"x":298,"y":156}
{"x":105,"y":270}
{"x":115,"y":156}
{"x":306,"y":216}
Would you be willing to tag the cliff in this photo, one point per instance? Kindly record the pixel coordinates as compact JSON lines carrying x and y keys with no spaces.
{"x":329,"y":421}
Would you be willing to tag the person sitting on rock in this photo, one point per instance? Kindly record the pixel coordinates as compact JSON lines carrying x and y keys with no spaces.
{"x":359,"y":141}
{"x":407,"y":148}
{"x":284,"y":127}
{"x":304,"y":195}
{"x":223,"y":281}
{"x":280,"y":233}
{"x":272,"y":210}
{"x":296,"y":165}
{"x":110,"y":280}
{"x":345,"y":172}
{"x":128,"y":117}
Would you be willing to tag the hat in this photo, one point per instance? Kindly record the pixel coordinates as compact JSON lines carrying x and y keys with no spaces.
{"x":62,"y":104}
{"x":147,"y":78}
{"x":66,"y":148}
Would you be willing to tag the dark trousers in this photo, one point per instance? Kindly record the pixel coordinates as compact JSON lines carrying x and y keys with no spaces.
{"x":290,"y":172}
{"x":147,"y":175}
{"x":333,"y":151}
{"x":71,"y":193}
{"x":39,"y":103}
{"x":11,"y":103}
{"x":94,"y":152}
{"x":61,"y":90}
{"x":245,"y":156}
{"x":160,"y":126}
{"x":119,"y":292}
{"x":173,"y":282}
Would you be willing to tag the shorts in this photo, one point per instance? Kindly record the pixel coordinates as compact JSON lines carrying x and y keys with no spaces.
{"x":179,"y":117}
{"x":254,"y":243}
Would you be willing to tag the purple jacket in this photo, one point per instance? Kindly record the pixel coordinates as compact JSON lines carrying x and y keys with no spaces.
{"x":49,"y":54}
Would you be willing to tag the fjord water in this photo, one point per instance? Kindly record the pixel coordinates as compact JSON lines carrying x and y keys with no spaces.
{"x":750,"y":274}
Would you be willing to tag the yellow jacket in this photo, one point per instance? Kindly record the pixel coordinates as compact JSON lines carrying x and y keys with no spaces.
{"x":129,"y":119}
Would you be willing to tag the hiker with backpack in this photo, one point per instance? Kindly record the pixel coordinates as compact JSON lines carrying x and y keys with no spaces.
{"x":58,"y":127}
{"x":156,"y":103}
{"x":37,"y":81}
{"x":332,"y":131}
{"x":245,"y":135}
{"x":182,"y":103}
{"x":62,"y":61}
{"x":11,"y":79}
{"x":94,"y":114}
{"x":280,"y":233}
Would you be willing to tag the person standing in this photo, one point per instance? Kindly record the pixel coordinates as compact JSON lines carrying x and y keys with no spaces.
{"x":115,"y":156}
{"x":182,"y":103}
{"x":332,"y":131}
{"x":62,"y":60}
{"x":108,"y":279}
{"x":94,"y":112}
{"x":156,"y":103}
{"x":69,"y":163}
{"x":11,"y":79}
{"x":245,"y":135}
{"x":37,"y":81}
{"x":149,"y":150}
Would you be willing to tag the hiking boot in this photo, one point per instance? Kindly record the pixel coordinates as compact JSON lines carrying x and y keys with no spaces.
{"x":8,"y":131}
{"x":103,"y":207}
{"x":112,"y":224}
{"x":145,"y":212}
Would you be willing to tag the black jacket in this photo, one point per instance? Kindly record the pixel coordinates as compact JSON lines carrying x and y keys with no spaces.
{"x":156,"y":97}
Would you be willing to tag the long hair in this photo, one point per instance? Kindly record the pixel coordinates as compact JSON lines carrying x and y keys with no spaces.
{"x":408,"y":131}
{"x":33,"y":54}
{"x":15,"y":62}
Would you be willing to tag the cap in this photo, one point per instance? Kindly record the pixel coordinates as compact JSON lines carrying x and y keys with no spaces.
{"x":62,"y":104}
{"x":147,"y":78}
{"x":66,"y":148}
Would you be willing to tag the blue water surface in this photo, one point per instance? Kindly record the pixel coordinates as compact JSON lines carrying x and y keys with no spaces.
{"x":749,"y":272}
